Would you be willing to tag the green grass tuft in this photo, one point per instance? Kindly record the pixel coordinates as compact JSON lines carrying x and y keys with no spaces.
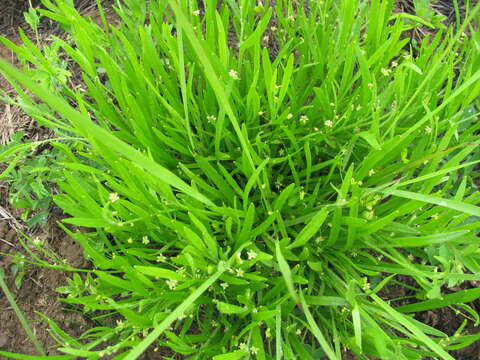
{"x":257,"y":177}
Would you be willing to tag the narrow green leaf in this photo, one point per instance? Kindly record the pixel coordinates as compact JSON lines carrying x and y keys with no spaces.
{"x":316,"y":330}
{"x":450,"y":204}
{"x":226,"y":308}
{"x":286,"y":273}
{"x":159,"y":272}
{"x":459,"y":297}
{"x":310,"y":229}
{"x":234,"y":355}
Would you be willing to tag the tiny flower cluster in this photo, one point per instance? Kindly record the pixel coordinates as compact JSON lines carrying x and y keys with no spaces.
{"x":172,"y":284}
{"x":233,"y":74}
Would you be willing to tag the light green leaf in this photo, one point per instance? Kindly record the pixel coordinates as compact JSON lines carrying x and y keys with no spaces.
{"x":310,"y":229}
{"x":450,"y":204}
{"x":235,"y":355}
{"x":226,"y":308}
{"x":159,"y":272}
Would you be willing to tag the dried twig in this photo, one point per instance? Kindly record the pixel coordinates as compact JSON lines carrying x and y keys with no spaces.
{"x":5,"y":215}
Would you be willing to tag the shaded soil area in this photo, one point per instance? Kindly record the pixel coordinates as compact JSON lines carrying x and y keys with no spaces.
{"x":447,"y":319}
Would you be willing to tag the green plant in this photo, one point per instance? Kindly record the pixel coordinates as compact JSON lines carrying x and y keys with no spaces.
{"x":18,"y":271}
{"x":30,"y":176}
{"x":257,"y":177}
{"x":424,"y":11}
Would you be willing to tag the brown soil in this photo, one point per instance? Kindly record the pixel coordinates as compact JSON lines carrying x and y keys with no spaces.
{"x":37,"y":292}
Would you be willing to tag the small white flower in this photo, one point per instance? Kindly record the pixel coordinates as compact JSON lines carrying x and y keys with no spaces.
{"x":254,"y":350}
{"x":37,"y":241}
{"x":298,"y":332}
{"x":145,"y":240}
{"x":371,"y":172}
{"x":113,"y":197}
{"x":251,"y":254}
{"x":268,"y":333}
{"x":303,"y":119}
{"x":329,"y":123}
{"x":289,"y":116}
{"x":130,"y":240}
{"x":211,"y":118}
{"x":181,"y":316}
{"x":394,"y":64}
{"x":386,"y":72}
{"x":428,"y":129}
{"x":161,"y":258}
{"x":319,"y":239}
{"x":239,"y":272}
{"x":261,"y":113}
{"x":243,"y":346}
{"x":233,"y":74}
{"x":172,"y":284}
{"x":224,"y":285}
{"x":196,"y":12}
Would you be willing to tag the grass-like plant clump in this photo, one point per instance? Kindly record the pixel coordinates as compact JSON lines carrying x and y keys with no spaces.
{"x":257,"y":178}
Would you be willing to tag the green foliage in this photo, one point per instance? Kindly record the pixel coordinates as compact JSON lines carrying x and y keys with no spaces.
{"x":18,"y":271}
{"x":257,"y":177}
{"x":30,"y":177}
